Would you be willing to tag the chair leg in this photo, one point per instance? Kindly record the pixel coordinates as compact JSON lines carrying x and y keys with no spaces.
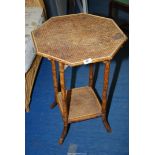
{"x":104,"y":96}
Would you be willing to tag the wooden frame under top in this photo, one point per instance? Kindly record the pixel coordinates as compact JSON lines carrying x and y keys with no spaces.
{"x":32,"y":72}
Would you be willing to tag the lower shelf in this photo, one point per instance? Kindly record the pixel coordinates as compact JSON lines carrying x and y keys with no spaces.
{"x":83,"y":104}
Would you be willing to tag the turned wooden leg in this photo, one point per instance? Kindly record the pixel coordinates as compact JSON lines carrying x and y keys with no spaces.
{"x":91,"y":75}
{"x":64,"y":101}
{"x":104,"y":96}
{"x":55,"y":83}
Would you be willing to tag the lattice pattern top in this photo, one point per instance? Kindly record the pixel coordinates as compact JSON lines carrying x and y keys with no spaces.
{"x":72,"y":39}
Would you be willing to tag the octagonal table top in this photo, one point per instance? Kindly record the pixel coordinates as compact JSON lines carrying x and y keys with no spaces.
{"x":78,"y":39}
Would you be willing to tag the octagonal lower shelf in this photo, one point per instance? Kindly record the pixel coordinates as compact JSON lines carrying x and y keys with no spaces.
{"x":83,"y":104}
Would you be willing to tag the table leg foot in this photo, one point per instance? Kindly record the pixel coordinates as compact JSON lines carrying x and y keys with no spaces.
{"x":63,"y":135}
{"x":53,"y":104}
{"x":106,"y":124}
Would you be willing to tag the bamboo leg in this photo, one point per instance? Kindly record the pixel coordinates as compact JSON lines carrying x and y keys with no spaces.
{"x":104,"y":96}
{"x":91,"y":75}
{"x":65,"y":109}
{"x":55,"y":83}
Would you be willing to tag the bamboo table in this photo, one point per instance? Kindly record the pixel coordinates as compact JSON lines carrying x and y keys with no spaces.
{"x":74,"y":40}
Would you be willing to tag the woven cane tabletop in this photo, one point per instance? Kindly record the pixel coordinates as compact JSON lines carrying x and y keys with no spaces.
{"x":78,"y":38}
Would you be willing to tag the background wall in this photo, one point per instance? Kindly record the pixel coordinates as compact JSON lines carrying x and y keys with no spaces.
{"x":99,"y":7}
